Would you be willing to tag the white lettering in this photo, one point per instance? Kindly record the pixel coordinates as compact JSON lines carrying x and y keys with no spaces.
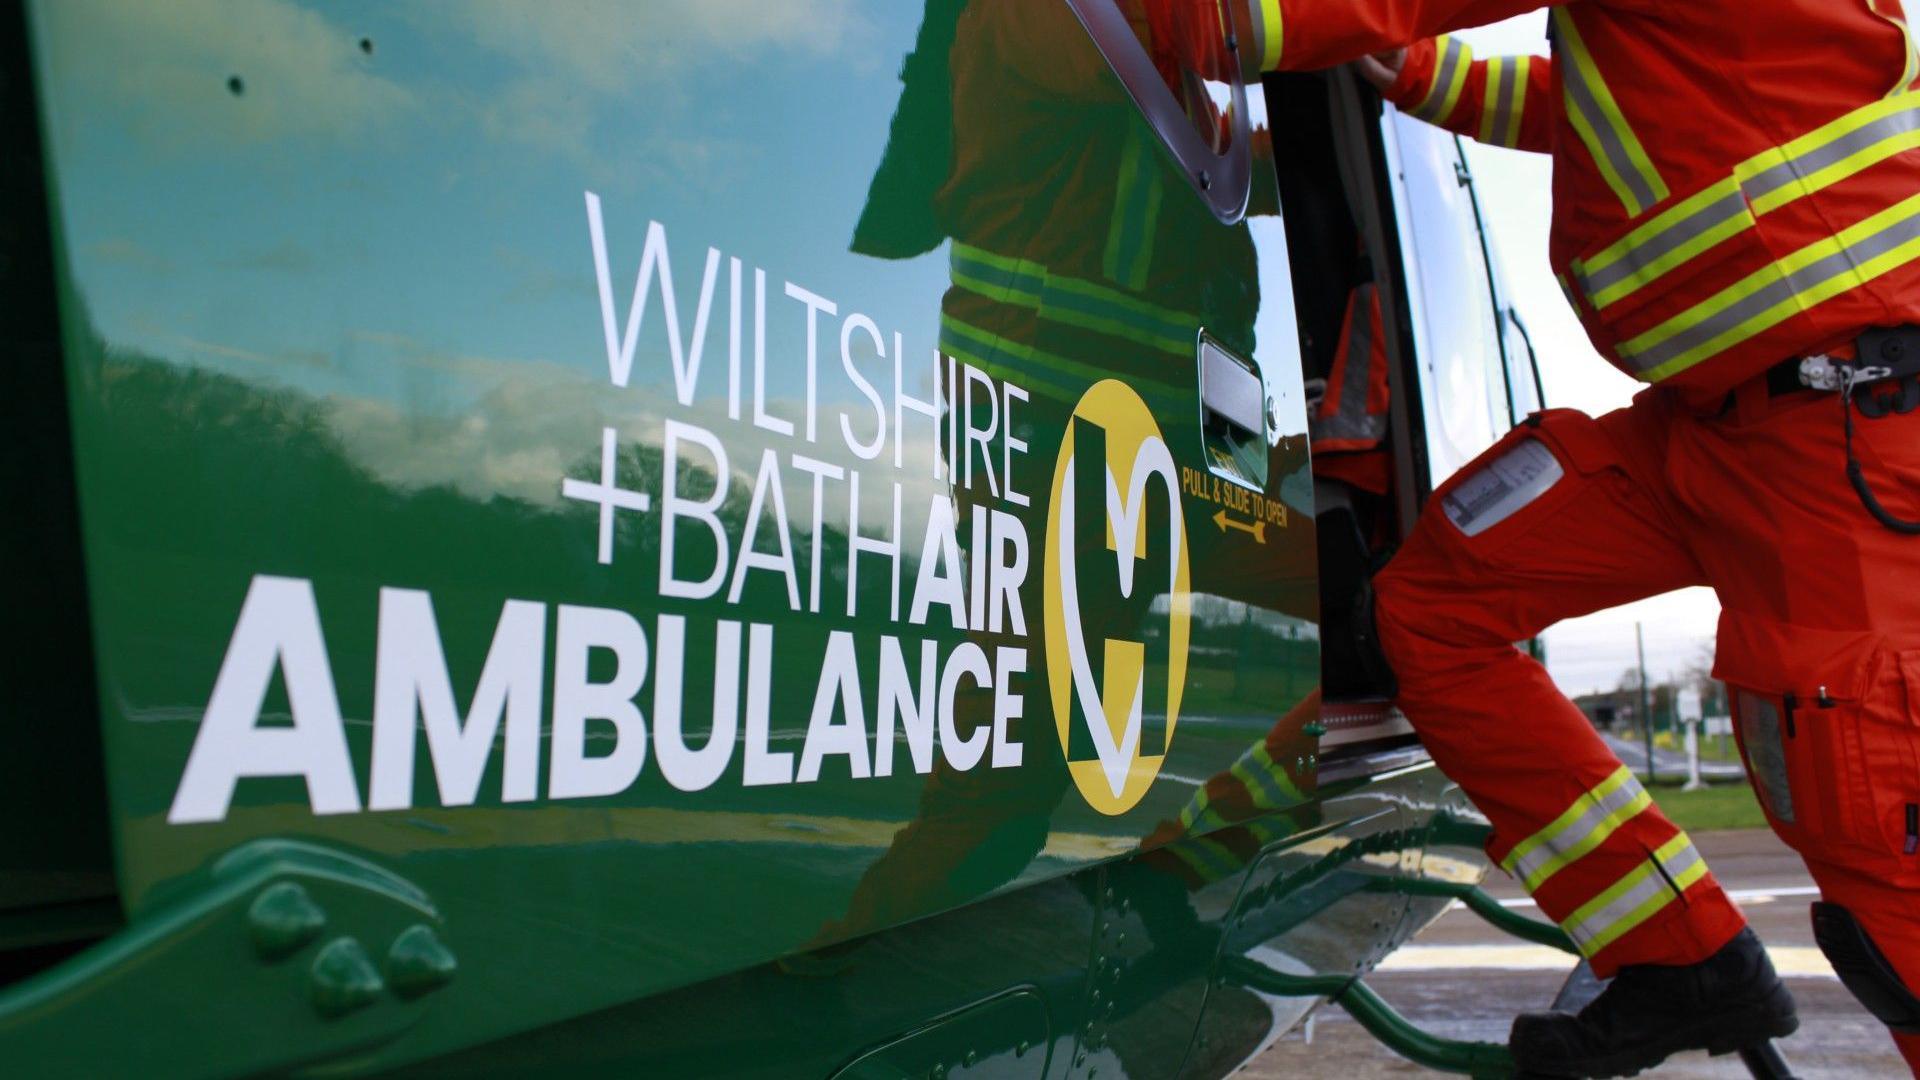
{"x":1009,"y":573}
{"x":821,"y":472}
{"x":1007,"y":705}
{"x":1010,"y":445}
{"x":763,"y":766}
{"x":839,"y":685}
{"x":897,"y":697}
{"x":979,"y":436}
{"x":279,"y":627}
{"x":412,"y":688}
{"x":761,"y":418}
{"x":935,"y":585}
{"x":815,"y":305}
{"x":685,"y":768}
{"x":962,"y":754}
{"x":858,"y":545}
{"x":768,"y":481}
{"x":673,"y":507}
{"x":576,"y":699}
{"x":686,"y":358}
{"x":903,"y":401}
{"x":861,"y":324}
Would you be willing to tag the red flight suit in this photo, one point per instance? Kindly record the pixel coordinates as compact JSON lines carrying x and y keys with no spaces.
{"x":1348,"y":428}
{"x":1736,"y":184}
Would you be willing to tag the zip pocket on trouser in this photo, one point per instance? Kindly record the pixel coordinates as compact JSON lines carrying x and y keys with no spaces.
{"x":1840,"y":778}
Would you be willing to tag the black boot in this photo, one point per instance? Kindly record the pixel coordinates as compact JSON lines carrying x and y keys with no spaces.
{"x":1728,"y":1001}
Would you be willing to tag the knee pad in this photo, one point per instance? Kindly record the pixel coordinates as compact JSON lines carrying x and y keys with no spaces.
{"x":1864,"y":969}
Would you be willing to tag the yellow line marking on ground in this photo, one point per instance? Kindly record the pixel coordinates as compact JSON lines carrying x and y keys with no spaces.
{"x":1791,"y":961}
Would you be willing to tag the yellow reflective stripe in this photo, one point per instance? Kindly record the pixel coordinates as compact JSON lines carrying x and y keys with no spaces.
{"x":1763,"y":183}
{"x":1640,"y":894}
{"x":1200,"y":815}
{"x":1504,"y":98}
{"x":1267,"y":829}
{"x":1272,"y":33}
{"x":1048,"y":374}
{"x":1496,"y":70}
{"x":1596,"y":117}
{"x":1831,"y":153}
{"x":1776,"y":292}
{"x":1453,"y":59}
{"x":1517,"y":102}
{"x":1585,"y":825}
{"x":1265,"y":781}
{"x":1209,"y":860}
{"x":1671,"y":239}
{"x":1070,"y":300}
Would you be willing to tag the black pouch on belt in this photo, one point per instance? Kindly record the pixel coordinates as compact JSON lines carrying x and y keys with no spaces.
{"x":1886,"y":375}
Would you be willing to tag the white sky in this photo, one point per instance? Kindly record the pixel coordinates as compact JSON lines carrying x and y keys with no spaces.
{"x":1588,"y":653}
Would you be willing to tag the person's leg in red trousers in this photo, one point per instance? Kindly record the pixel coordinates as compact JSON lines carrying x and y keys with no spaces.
{"x":1820,"y":648}
{"x":1562,"y":518}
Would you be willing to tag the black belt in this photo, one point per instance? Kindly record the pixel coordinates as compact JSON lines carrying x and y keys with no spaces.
{"x":1783,"y":378}
{"x":1883,"y":379}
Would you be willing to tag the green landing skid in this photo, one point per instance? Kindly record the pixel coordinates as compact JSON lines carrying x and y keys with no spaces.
{"x":1480,"y":1059}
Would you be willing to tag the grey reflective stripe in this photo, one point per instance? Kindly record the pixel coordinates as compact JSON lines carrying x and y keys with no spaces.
{"x":1676,"y":868}
{"x":1351,"y":420}
{"x":1589,"y":929}
{"x":1892,"y":126}
{"x":1578,"y":836}
{"x":1430,"y":108}
{"x":1686,"y":230}
{"x":1503,"y":104}
{"x":1757,"y":305}
{"x":1580,"y":96}
{"x":1343,"y":427}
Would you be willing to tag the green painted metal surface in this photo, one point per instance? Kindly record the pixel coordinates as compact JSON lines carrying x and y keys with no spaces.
{"x":661,"y":537}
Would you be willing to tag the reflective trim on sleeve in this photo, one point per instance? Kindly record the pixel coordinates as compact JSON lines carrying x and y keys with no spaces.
{"x":1585,"y":825}
{"x":1452,"y":60}
{"x":1506,"y":97}
{"x":1267,"y":784}
{"x":1778,"y":291}
{"x":1596,"y":117}
{"x":1272,"y":34}
{"x":1638,"y":896}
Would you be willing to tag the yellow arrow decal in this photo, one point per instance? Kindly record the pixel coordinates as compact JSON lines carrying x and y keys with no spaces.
{"x":1258,"y":530}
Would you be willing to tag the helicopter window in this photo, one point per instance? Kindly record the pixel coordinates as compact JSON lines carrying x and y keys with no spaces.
{"x":1463,"y":383}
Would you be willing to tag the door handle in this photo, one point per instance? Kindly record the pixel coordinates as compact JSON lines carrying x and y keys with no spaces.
{"x":1233,"y":415}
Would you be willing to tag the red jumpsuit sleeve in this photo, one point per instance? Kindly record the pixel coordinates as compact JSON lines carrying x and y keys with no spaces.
{"x":1303,"y":35}
{"x":1502,"y":101}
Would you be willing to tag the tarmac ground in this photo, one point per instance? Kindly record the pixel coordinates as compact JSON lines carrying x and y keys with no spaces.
{"x":1464,"y":980}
